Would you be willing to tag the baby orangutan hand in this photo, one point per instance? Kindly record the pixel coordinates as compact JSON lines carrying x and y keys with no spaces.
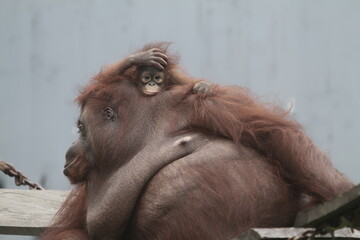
{"x":203,"y":87}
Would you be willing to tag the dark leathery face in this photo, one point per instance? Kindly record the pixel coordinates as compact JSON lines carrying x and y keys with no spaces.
{"x":150,"y":80}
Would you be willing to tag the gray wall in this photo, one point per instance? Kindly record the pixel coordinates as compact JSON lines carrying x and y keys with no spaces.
{"x":305,"y":52}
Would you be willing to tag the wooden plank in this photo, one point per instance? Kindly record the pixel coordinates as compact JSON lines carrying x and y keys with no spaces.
{"x":25,"y":212}
{"x":345,"y":203}
{"x":287,"y":233}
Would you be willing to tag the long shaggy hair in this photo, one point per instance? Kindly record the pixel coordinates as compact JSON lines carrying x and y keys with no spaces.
{"x":236,"y":113}
{"x":233,"y":113}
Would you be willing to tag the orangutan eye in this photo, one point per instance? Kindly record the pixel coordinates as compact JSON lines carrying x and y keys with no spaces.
{"x":158,"y":79}
{"x":81,"y":127}
{"x":146,"y":78}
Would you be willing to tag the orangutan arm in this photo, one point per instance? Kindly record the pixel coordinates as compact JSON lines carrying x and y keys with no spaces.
{"x":153,"y":58}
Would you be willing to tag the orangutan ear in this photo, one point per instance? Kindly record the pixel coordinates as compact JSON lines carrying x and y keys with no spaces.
{"x":109,"y":113}
{"x":131,"y":72}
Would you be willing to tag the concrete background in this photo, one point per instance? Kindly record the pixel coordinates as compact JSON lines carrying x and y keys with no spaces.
{"x":302,"y":52}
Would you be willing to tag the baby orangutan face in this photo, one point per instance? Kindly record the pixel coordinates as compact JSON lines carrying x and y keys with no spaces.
{"x":150,"y":80}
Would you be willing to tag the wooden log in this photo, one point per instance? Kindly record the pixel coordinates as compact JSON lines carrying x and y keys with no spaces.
{"x":28,"y":212}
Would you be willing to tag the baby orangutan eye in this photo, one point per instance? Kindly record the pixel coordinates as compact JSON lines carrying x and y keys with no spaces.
{"x":158,"y":79}
{"x":146,"y":78}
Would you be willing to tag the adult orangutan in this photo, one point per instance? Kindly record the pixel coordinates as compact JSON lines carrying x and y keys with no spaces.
{"x":192,"y":161}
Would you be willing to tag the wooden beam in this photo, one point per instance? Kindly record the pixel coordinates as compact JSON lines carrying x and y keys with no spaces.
{"x":347,"y":202}
{"x":25,"y":212}
{"x":288,"y":233}
{"x":28,"y":212}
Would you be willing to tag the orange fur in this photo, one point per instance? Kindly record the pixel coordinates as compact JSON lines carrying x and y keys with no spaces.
{"x":232,"y":113}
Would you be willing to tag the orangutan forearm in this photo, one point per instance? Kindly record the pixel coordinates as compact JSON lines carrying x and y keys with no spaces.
{"x":133,"y":177}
